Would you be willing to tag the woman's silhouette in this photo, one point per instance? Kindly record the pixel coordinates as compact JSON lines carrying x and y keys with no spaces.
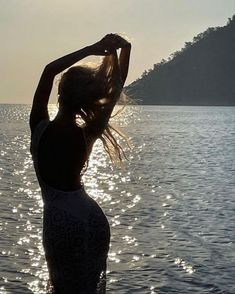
{"x":76,"y":232}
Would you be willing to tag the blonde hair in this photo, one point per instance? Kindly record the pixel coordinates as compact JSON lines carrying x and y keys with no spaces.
{"x":86,"y":91}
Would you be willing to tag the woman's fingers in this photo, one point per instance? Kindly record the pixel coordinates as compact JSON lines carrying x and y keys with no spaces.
{"x":114,"y":41}
{"x":99,"y":49}
{"x":108,"y":44}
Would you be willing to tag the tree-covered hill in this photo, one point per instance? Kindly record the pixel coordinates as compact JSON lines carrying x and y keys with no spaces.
{"x":202,"y":73}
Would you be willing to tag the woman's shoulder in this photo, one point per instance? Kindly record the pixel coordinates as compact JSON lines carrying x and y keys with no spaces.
{"x":40,"y":127}
{"x":36,"y":134}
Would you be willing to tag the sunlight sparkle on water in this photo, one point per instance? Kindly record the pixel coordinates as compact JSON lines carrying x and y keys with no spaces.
{"x":187,"y":267}
{"x":113,"y":257}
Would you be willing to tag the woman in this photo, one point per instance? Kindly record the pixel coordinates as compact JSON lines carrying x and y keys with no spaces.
{"x":76,"y":232}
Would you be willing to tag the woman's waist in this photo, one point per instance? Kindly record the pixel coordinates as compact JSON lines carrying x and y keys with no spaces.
{"x":65,"y":200}
{"x":62,"y":198}
{"x":51,"y":193}
{"x":62,"y":183}
{"x":76,"y":203}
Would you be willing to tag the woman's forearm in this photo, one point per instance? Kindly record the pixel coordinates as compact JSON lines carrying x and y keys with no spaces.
{"x":60,"y":64}
{"x":124,"y":61}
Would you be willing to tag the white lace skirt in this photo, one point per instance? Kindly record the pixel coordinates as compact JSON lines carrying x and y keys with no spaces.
{"x":76,"y":238}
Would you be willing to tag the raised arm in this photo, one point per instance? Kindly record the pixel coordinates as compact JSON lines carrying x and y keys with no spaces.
{"x":39,"y":109}
{"x":119,"y":73}
{"x":124,"y":59}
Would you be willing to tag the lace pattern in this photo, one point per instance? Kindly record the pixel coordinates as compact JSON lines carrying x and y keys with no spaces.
{"x":76,"y":237}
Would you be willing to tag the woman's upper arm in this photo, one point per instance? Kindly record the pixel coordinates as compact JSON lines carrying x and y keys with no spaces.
{"x":39,"y":109}
{"x":101,"y":112}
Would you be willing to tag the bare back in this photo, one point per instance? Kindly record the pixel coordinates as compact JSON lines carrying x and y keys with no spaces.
{"x":62,"y":154}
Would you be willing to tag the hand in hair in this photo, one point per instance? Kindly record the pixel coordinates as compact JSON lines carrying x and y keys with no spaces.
{"x":100,"y":48}
{"x":117,"y":41}
{"x":108,"y":44}
{"x":114,"y":41}
{"x":105,"y":46}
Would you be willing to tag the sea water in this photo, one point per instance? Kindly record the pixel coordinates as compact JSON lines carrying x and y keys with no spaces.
{"x":171,"y":208}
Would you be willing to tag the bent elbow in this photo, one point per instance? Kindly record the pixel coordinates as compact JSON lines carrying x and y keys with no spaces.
{"x":49,"y":69}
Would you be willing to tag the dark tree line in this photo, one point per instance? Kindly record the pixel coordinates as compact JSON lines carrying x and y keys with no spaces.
{"x":201,"y":73}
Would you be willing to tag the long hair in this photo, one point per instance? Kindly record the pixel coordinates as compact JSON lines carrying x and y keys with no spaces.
{"x":86,"y":91}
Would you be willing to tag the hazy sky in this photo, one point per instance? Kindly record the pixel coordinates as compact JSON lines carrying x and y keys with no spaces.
{"x":33,"y":33}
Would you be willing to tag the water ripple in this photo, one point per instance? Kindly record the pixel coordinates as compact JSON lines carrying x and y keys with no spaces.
{"x":171,"y":208}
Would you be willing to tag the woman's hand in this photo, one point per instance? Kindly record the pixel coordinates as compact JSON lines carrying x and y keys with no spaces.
{"x":103,"y":47}
{"x":99,"y":48}
{"x":115,"y":41}
{"x":108,"y":44}
{"x":120,"y":42}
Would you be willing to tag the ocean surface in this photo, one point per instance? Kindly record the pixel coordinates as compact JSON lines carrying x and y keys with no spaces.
{"x":171,"y":208}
